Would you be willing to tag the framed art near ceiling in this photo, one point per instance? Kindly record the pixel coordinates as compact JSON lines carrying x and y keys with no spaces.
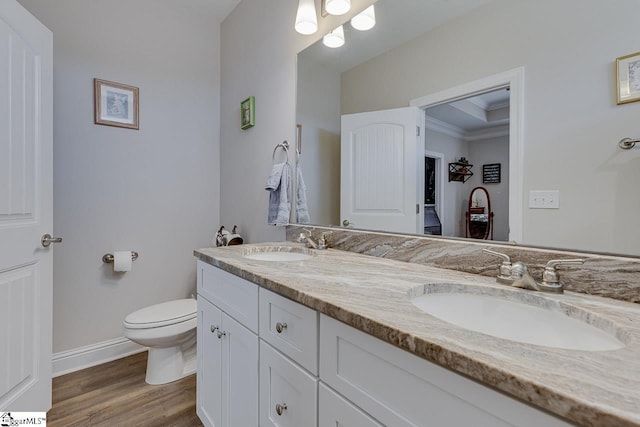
{"x":116,"y":104}
{"x":628,"y":78}
{"x":248,"y":113}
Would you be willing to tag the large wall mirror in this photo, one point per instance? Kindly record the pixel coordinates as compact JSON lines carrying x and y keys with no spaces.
{"x":559,"y":180}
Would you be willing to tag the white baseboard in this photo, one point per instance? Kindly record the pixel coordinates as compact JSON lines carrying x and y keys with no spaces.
{"x":94,"y":354}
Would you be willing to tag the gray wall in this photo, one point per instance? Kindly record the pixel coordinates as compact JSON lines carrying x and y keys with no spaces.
{"x":155,"y":190}
{"x":258,"y":57}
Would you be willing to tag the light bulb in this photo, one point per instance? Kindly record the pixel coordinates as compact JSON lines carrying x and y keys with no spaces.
{"x":337,"y":7}
{"x":365,"y":20}
{"x":335,"y":38}
{"x":306,"y":18}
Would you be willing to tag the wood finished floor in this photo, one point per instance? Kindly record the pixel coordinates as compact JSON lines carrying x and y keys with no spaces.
{"x":115,"y":394}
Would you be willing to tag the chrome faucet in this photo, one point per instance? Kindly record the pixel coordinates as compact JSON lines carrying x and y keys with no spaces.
{"x":517,"y":274}
{"x":305,"y":237}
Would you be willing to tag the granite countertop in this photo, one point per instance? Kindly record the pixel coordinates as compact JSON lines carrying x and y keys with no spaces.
{"x":599,"y":388}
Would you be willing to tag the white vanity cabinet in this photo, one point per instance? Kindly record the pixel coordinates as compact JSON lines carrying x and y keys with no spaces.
{"x":227,"y":378}
{"x":264,"y":360}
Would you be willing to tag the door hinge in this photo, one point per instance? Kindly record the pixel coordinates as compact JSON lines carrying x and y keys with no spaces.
{"x":417,"y":208}
{"x":417,"y":130}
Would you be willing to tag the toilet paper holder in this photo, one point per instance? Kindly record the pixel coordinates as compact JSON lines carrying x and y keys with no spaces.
{"x":108,"y":258}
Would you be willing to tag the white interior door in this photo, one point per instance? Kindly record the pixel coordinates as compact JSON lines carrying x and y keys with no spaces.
{"x":26,"y":214}
{"x":382,"y":171}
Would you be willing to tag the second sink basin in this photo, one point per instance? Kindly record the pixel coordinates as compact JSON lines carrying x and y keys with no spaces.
{"x":516,"y":315}
{"x":278,"y":253}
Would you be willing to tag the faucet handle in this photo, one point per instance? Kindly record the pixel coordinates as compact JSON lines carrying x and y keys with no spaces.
{"x":550,"y":275}
{"x":505,"y":268}
{"x":322,"y":242}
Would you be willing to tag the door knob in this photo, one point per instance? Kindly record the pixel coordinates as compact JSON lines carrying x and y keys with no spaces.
{"x":47,"y":240}
{"x":280,"y":408}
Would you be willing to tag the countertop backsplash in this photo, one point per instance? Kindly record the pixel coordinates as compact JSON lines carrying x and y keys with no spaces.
{"x":603,"y":275}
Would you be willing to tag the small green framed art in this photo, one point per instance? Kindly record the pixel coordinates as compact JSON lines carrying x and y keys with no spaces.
{"x":248,"y":113}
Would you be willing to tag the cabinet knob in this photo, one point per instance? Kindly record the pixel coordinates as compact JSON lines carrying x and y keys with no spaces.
{"x":281,"y":408}
{"x":214,"y":328}
{"x":280,"y":327}
{"x":221,"y":334}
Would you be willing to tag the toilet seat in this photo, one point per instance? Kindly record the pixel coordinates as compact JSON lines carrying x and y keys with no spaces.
{"x":166,"y":313}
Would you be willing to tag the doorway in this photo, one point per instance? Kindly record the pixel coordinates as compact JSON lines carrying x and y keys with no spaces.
{"x":457,"y":98}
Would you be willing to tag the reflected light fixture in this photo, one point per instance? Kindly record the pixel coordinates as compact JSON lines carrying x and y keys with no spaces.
{"x":334,"y":38}
{"x":365,"y":20}
{"x":306,"y":18}
{"x":337,"y":7}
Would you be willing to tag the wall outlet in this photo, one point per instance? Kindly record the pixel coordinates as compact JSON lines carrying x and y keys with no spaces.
{"x":544,"y":199}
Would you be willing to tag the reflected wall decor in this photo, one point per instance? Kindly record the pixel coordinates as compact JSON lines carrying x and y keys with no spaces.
{"x":628,"y":78}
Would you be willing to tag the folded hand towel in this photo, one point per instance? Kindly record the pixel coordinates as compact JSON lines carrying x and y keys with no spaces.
{"x":278,"y":184}
{"x":302,"y":210}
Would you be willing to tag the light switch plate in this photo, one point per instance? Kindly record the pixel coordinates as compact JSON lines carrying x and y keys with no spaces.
{"x":544,"y":199}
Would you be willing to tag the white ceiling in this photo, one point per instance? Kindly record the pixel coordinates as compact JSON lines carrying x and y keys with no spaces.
{"x":473,"y":118}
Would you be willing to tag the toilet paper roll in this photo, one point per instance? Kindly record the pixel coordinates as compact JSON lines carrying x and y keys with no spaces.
{"x":122,"y":261}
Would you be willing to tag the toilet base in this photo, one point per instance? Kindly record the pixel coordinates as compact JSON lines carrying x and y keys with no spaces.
{"x":165,"y":365}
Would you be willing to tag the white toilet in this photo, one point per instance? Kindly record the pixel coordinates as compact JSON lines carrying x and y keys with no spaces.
{"x":169,"y":330}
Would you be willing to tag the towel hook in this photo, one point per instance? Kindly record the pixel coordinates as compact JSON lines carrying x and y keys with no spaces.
{"x":628,"y":143}
{"x":285,"y":146}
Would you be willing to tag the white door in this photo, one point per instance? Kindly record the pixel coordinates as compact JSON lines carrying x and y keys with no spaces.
{"x":26,"y":214}
{"x":382,"y":171}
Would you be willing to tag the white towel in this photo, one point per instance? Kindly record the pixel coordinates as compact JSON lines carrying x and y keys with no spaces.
{"x":279,"y":187}
{"x":302,"y":210}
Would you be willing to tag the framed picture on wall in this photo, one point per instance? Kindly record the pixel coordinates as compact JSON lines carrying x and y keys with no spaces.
{"x":115,"y":104}
{"x":491,"y":173}
{"x":248,"y":113}
{"x":628,"y":78}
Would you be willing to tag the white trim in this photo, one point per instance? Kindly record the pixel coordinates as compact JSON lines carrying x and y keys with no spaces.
{"x":79,"y":358}
{"x":445,"y":128}
{"x":514,"y":79}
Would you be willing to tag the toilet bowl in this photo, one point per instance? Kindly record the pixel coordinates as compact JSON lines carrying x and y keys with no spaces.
{"x":169,"y":330}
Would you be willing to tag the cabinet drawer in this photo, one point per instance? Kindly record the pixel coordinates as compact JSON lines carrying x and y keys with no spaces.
{"x":291,"y":328}
{"x":288,"y":394}
{"x":233,"y":295}
{"x":334,"y":410}
{"x":401,"y":389}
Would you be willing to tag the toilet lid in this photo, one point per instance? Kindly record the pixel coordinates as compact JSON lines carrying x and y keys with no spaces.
{"x":163,"y":314}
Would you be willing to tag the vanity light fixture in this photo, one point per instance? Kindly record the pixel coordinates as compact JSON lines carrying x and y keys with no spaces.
{"x":365,"y":20}
{"x":306,"y":18}
{"x":337,"y":7}
{"x":334,"y":38}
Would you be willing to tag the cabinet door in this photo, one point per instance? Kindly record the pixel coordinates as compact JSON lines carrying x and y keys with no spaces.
{"x":288,"y":394}
{"x":209,"y":376}
{"x":240,"y":374}
{"x":334,"y":410}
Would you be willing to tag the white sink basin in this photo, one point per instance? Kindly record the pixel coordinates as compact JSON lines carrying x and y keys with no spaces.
{"x":522,"y":316}
{"x":278,"y":254}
